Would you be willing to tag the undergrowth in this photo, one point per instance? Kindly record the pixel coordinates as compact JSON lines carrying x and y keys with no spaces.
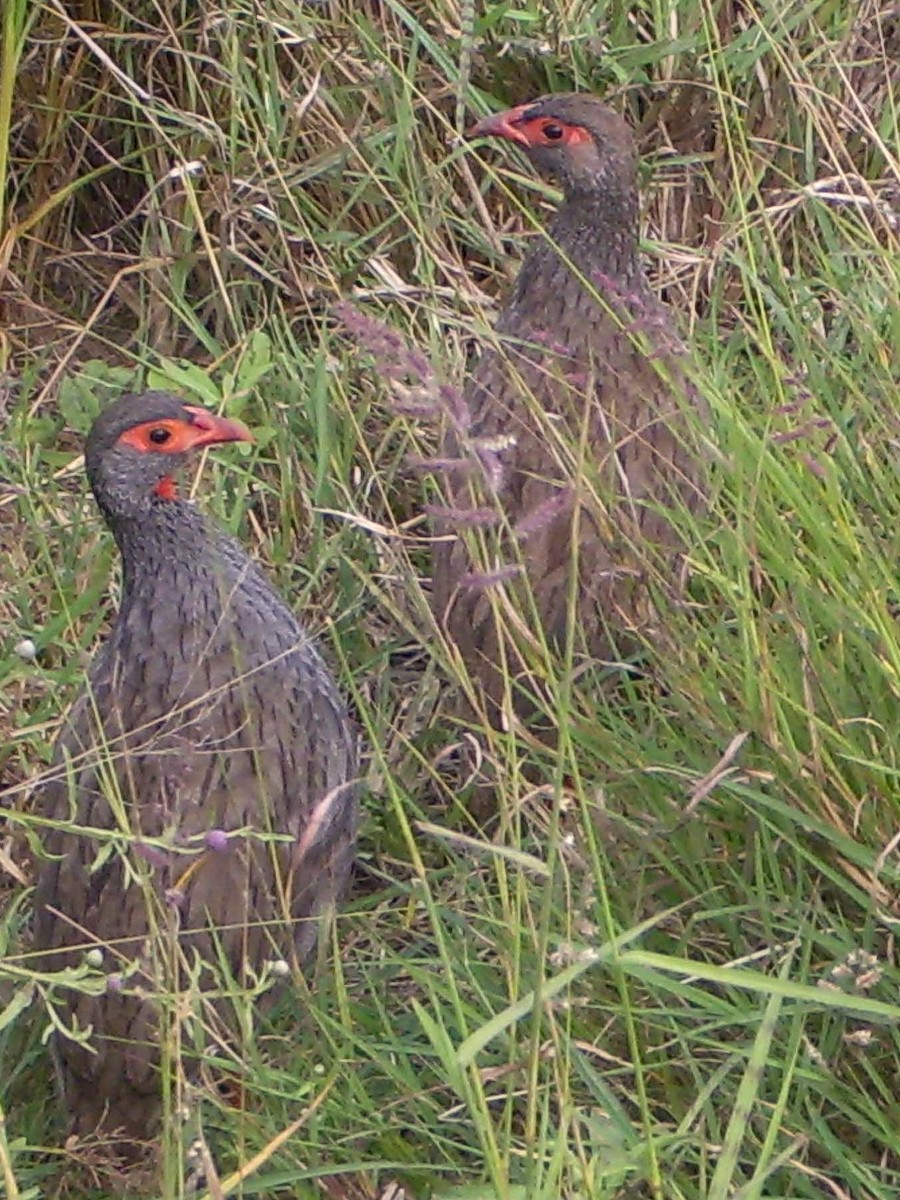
{"x":671,"y":970}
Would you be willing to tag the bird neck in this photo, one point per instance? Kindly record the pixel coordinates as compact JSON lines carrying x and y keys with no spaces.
{"x":597,"y":229}
{"x":163,"y":538}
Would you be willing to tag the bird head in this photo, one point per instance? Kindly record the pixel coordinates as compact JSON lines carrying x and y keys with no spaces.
{"x":572,"y":137}
{"x":139,"y":442}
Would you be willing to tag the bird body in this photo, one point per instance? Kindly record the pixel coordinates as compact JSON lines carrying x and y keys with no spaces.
{"x":572,"y":424}
{"x":210,"y":756}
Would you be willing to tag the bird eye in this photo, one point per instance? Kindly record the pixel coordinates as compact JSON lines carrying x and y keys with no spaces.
{"x":553,"y":131}
{"x":160,"y":436}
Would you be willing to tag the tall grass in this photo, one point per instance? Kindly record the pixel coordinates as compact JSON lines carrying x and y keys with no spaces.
{"x":672,"y":972}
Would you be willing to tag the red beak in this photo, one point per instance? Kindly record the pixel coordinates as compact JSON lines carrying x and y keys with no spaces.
{"x":503,"y":125}
{"x":207,"y":429}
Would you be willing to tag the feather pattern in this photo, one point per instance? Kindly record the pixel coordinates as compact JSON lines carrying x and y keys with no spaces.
{"x":584,"y":391}
{"x":208,"y":708}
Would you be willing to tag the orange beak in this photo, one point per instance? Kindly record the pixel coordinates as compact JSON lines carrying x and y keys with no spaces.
{"x":502,"y":125}
{"x":207,"y":429}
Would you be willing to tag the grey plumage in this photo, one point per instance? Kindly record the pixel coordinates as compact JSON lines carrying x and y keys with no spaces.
{"x":208,"y":708}
{"x":575,"y":436}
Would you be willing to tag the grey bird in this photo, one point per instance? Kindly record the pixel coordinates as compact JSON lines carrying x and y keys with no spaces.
{"x":210,"y":756}
{"x":571,"y":430}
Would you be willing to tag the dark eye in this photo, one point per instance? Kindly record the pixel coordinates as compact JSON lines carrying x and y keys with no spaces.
{"x":159,"y":437}
{"x":553,"y":132}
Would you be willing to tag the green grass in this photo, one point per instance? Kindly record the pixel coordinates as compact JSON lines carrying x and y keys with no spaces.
{"x":652,"y":981}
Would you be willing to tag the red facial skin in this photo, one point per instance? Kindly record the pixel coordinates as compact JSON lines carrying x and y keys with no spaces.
{"x":203,"y":429}
{"x":516,"y":127}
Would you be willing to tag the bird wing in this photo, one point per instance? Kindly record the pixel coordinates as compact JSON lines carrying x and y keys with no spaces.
{"x":575,"y":440}
{"x":262,"y":757}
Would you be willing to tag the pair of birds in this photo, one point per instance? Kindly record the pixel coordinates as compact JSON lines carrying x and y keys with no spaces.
{"x":211,"y":741}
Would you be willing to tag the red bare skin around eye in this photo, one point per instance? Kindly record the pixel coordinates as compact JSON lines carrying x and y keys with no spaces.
{"x":203,"y":429}
{"x":533,"y":132}
{"x":182,"y":437}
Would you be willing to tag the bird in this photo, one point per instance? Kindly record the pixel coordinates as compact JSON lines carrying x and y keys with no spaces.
{"x":568,"y":440}
{"x":205,"y":780}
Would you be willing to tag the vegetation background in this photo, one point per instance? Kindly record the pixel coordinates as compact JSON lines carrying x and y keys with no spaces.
{"x":672,"y":971}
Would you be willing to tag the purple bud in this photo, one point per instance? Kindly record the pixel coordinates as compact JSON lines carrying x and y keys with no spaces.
{"x":411,"y":406}
{"x":492,"y":468}
{"x":468,"y":518}
{"x":792,"y":435}
{"x":545,"y":512}
{"x":114,"y":983}
{"x":455,"y":404}
{"x":217,"y":840}
{"x":394,"y":356}
{"x":176,"y":897}
{"x":805,"y":430}
{"x":817,"y":469}
{"x":419,"y":364}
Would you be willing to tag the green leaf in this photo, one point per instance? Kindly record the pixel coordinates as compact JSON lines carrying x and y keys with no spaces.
{"x":181,"y":376}
{"x":82,"y":396}
{"x":21,"y":999}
